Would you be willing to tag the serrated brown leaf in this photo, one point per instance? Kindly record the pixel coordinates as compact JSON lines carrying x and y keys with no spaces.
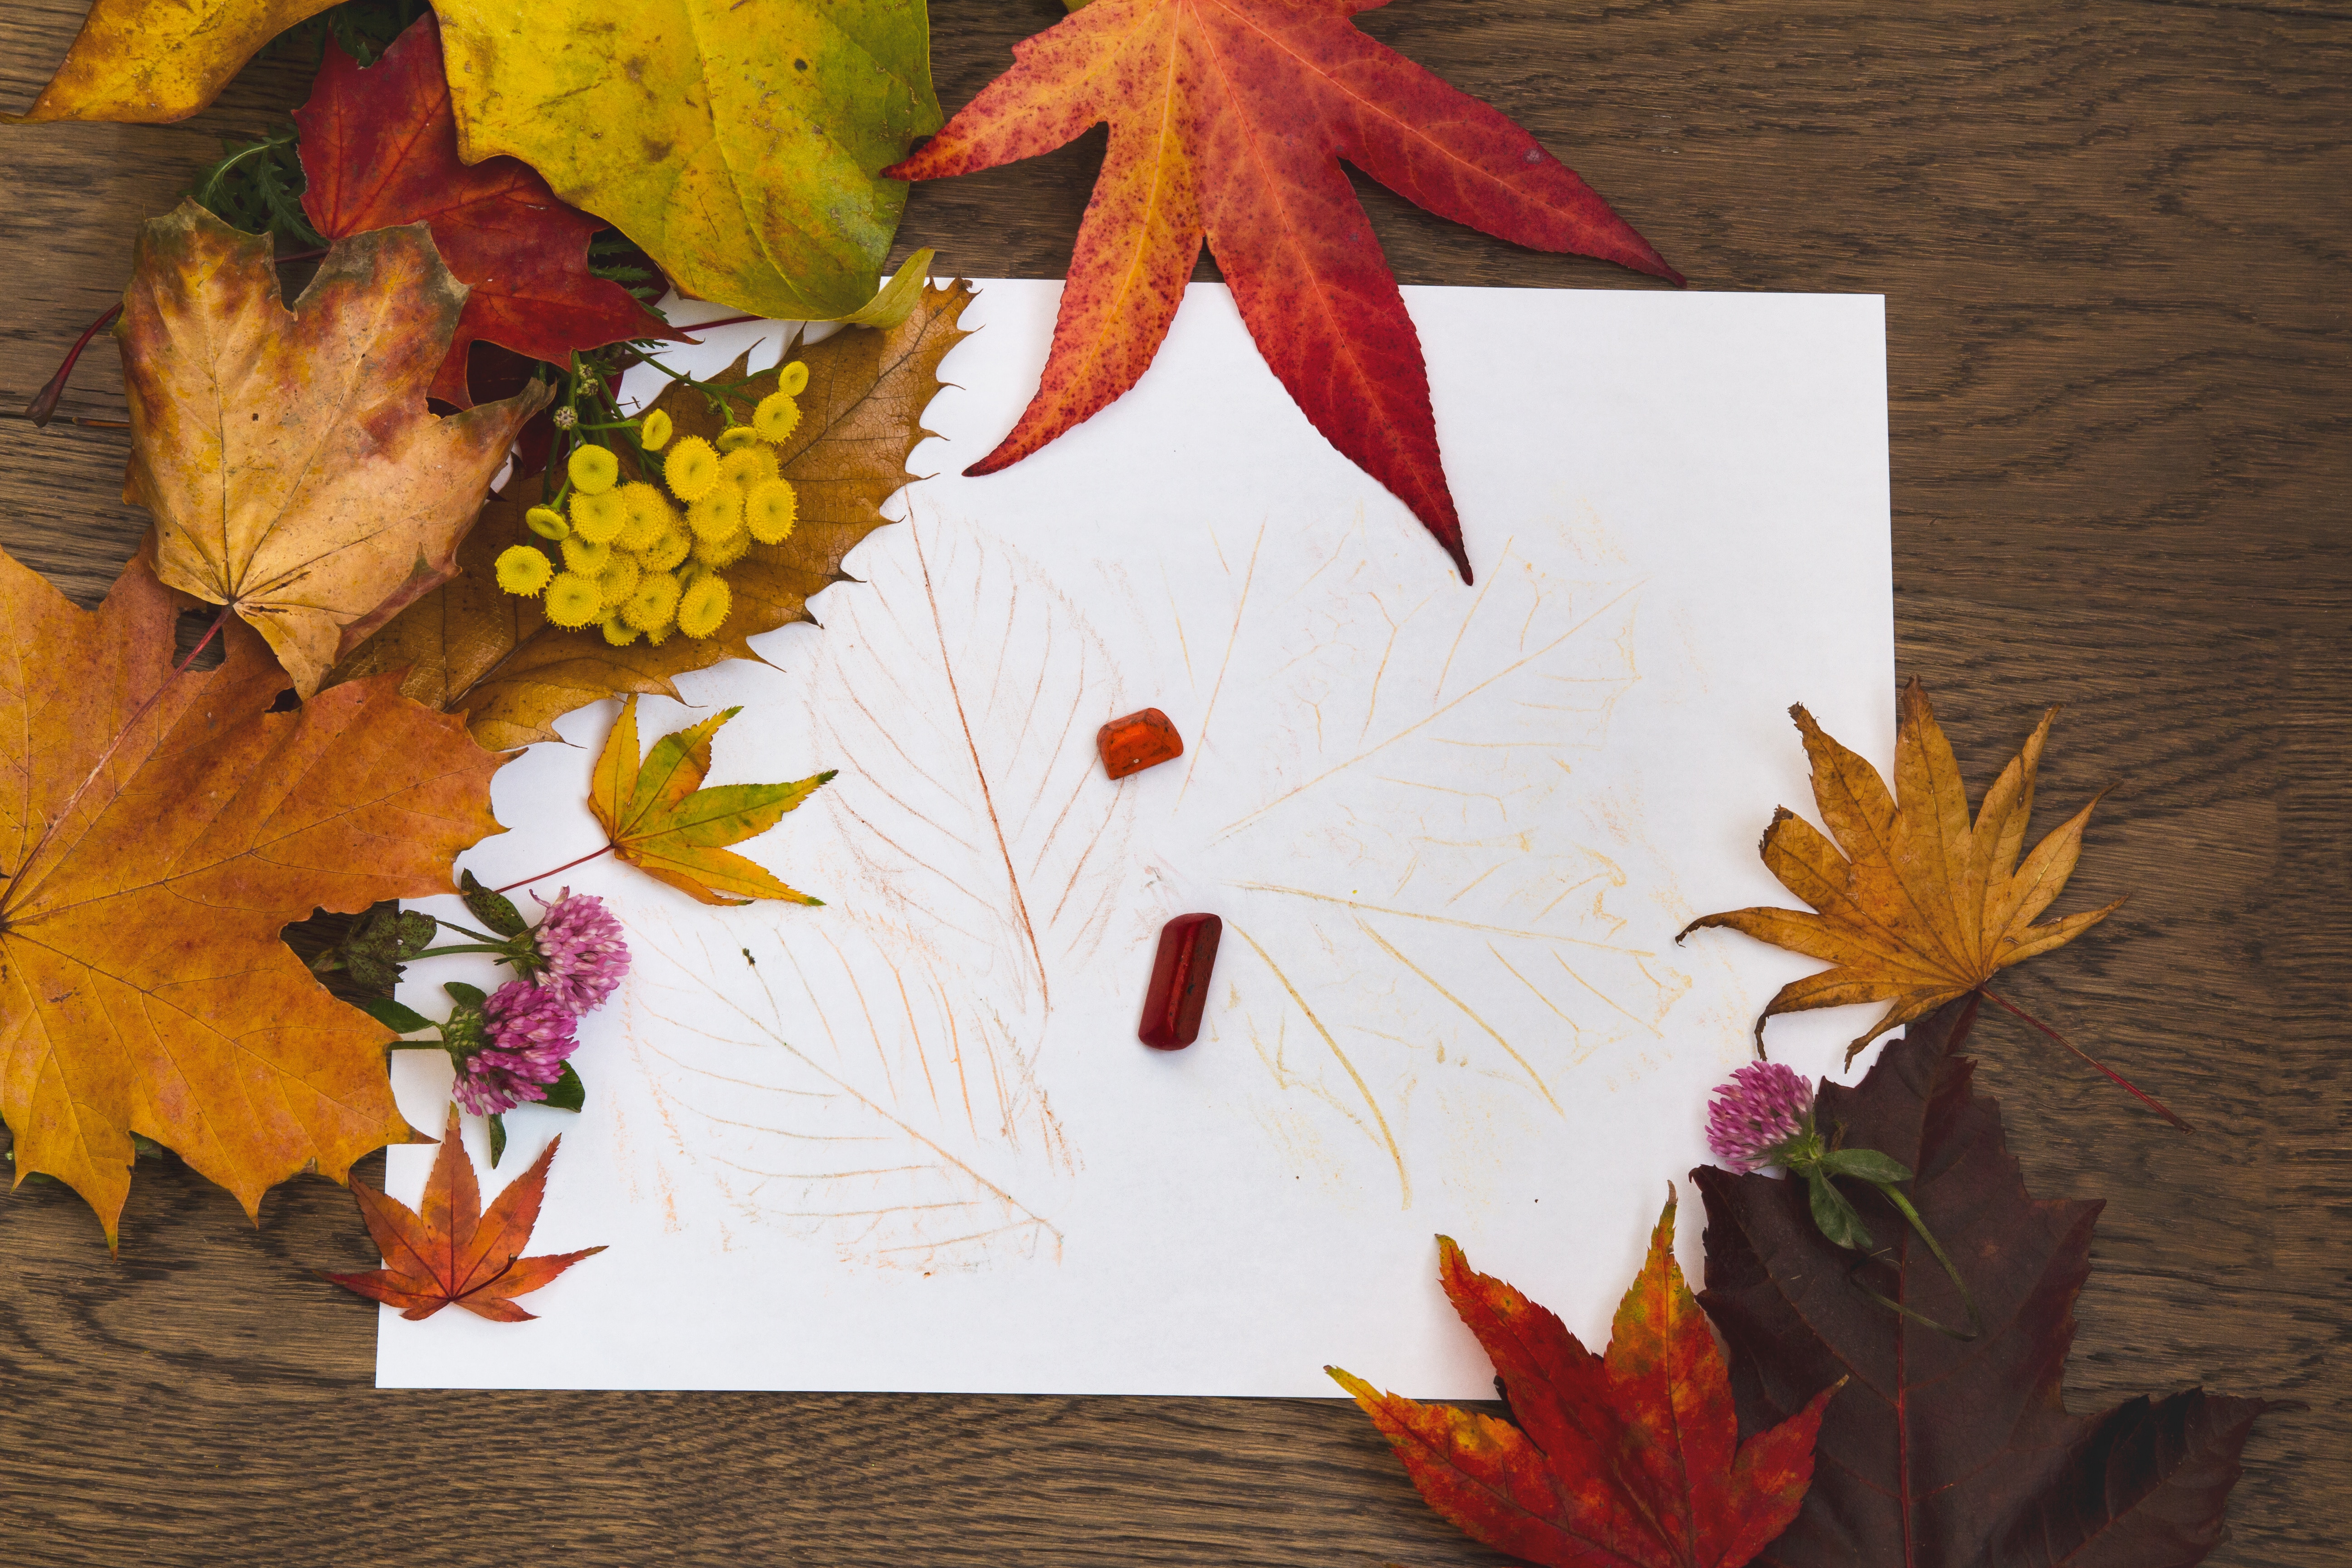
{"x":1913,"y":905}
{"x":662,"y":820}
{"x":451,"y":1254}
{"x":1943,"y":1453}
{"x":1627,"y":1460}
{"x":469,"y":649}
{"x":294,"y":473}
{"x":159,"y":831}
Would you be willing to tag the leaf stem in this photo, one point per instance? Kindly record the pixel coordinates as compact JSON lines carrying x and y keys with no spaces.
{"x":467,"y":947}
{"x":2145,"y":1099}
{"x":461,"y":931}
{"x":1968,"y":1298}
{"x":526,"y":881}
{"x":44,"y":406}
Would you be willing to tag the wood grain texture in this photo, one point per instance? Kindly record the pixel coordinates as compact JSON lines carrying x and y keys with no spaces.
{"x":2114,"y":236}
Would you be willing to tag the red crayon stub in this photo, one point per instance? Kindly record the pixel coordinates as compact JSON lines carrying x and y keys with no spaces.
{"x":1137,"y":741}
{"x":1180,"y":981}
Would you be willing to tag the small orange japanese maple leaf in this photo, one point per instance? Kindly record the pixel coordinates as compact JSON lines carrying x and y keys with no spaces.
{"x":452,"y":1254}
{"x":662,"y":821}
{"x":1628,"y":1460}
{"x":1921,"y":908}
{"x":1229,"y":120}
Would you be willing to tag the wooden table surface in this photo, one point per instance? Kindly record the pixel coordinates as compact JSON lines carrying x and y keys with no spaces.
{"x":2114,"y":238}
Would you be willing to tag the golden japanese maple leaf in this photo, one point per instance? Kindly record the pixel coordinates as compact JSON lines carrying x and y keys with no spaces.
{"x":294,"y":473}
{"x":662,"y":821}
{"x":157,"y":831}
{"x":1912,"y":904}
{"x":452,"y":1254}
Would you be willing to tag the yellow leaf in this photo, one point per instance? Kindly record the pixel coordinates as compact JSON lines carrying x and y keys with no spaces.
{"x":470,"y":648}
{"x":741,"y":146}
{"x":159,"y":830}
{"x":662,"y":821}
{"x":1911,"y":904}
{"x":147,"y":62}
{"x":292,"y":466}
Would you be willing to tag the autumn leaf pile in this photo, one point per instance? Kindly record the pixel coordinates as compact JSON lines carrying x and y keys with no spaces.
{"x":318,"y":472}
{"x":493,"y":196}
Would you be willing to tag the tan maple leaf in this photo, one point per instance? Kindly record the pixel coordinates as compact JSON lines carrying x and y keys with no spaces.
{"x":471,"y":648}
{"x":158,"y":830}
{"x":294,"y":473}
{"x":1912,"y":904}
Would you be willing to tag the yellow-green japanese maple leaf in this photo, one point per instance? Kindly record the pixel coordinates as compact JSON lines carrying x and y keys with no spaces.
{"x":661,"y":820}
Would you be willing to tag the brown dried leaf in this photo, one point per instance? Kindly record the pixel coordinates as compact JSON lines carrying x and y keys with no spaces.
{"x":469,"y":649}
{"x":294,"y":471}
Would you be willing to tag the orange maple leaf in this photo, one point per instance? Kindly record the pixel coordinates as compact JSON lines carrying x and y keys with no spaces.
{"x":452,"y":1254}
{"x":1228,"y":123}
{"x":662,"y":821}
{"x":1630,"y":1460}
{"x":1920,"y":907}
{"x":157,"y":831}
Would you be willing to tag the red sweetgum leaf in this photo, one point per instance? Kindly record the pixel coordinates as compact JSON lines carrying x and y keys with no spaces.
{"x":451,"y":1253}
{"x":380,"y":150}
{"x":1228,"y":123}
{"x":1945,"y":1454}
{"x":1632,"y":1460}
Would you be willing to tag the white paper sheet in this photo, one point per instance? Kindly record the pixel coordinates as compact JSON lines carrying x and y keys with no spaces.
{"x":910,"y":1140}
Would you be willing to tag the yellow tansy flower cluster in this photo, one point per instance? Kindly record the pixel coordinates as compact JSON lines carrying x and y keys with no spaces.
{"x":635,"y":564}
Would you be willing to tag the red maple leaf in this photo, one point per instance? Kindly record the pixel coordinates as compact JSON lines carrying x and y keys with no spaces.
{"x":1228,"y":121}
{"x":1632,"y":1460}
{"x":380,"y":149}
{"x":451,"y":1253}
{"x":1949,"y":1453}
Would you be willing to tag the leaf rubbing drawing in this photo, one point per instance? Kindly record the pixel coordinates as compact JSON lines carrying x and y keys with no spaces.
{"x":1434,"y":908}
{"x":959,"y":695}
{"x":852,"y":1091}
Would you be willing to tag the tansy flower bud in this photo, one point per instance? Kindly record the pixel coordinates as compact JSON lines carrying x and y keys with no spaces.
{"x":769,"y":511}
{"x":792,"y":379}
{"x":777,"y":416}
{"x":565,"y":418}
{"x":719,"y":554}
{"x":599,"y":519}
{"x":649,"y":515}
{"x":717,"y":513}
{"x":691,"y":468}
{"x":667,"y":551}
{"x":736,"y":437}
{"x":702,"y":608}
{"x":572,"y":599}
{"x":586,"y":556}
{"x":655,"y":604}
{"x":752,"y":466}
{"x":653,"y":434}
{"x":618,"y":581}
{"x":547,"y":523}
{"x":523,"y":570}
{"x":593,"y":469}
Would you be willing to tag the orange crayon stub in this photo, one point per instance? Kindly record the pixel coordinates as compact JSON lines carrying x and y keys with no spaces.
{"x":1137,"y":741}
